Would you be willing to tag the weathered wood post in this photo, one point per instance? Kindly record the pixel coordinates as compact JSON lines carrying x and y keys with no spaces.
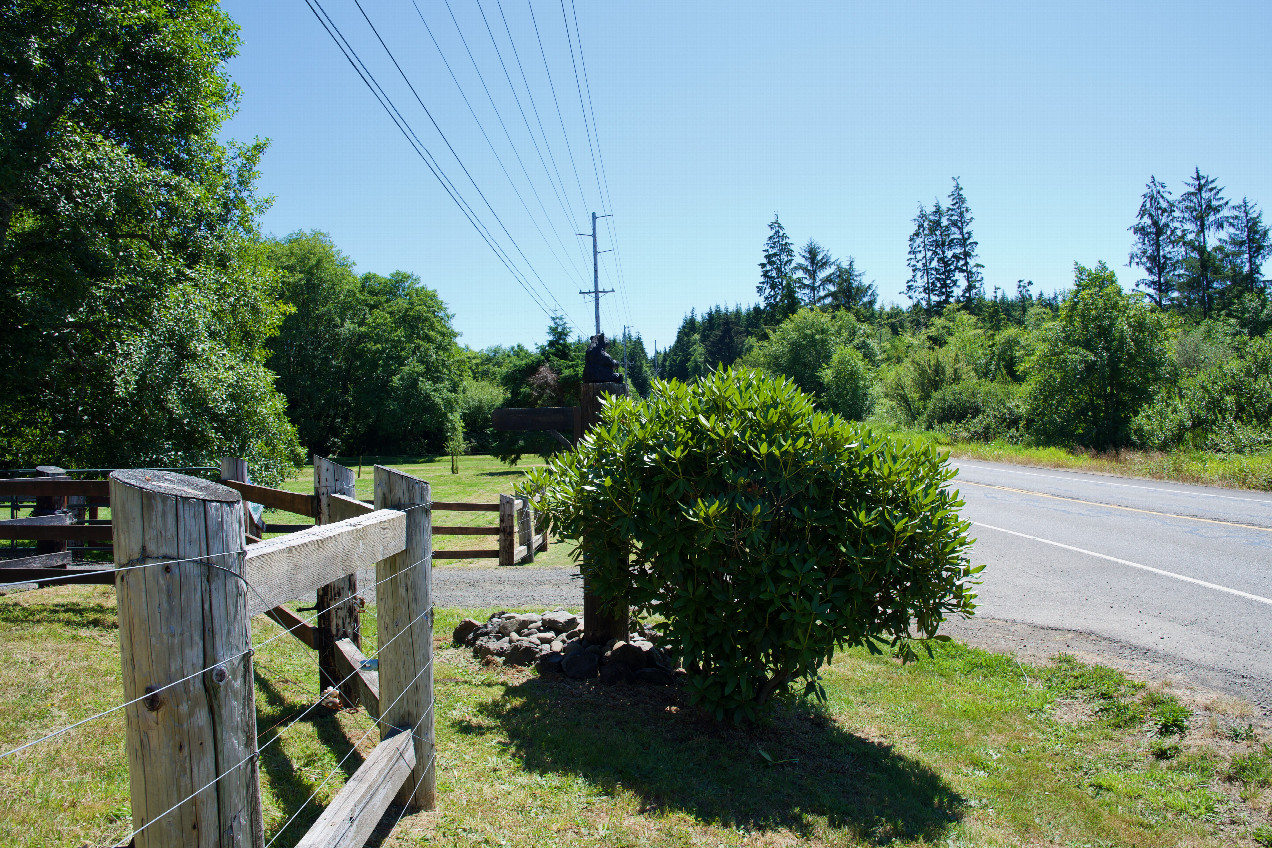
{"x":338,"y":617}
{"x":404,"y":602}
{"x":600,"y":622}
{"x":507,"y":529}
{"x":525,"y":528}
{"x":50,"y":505}
{"x":185,"y":615}
{"x":233,"y":468}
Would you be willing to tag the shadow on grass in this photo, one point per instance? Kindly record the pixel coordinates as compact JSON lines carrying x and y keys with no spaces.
{"x":290,"y":786}
{"x":648,"y":740}
{"x":514,"y":472}
{"x":62,"y":613}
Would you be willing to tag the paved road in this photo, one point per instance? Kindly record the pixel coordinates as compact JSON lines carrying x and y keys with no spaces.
{"x":1170,"y":577}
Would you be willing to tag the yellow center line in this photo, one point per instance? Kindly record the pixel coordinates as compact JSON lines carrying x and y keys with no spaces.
{"x":1116,"y":506}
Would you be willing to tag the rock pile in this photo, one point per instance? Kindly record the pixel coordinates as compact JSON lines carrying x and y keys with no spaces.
{"x":554,"y":642}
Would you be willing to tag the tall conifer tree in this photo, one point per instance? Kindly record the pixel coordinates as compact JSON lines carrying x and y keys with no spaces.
{"x":1204,"y":215}
{"x":815,"y":268}
{"x":777,"y":274}
{"x":922,"y":271}
{"x":1248,"y":246}
{"x":939,"y":238}
{"x":1157,"y":243}
{"x":963,"y":247}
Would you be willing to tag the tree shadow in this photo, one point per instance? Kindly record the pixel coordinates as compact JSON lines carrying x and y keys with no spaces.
{"x":799,"y":769}
{"x":63,"y":613}
{"x":514,"y":472}
{"x":290,"y":786}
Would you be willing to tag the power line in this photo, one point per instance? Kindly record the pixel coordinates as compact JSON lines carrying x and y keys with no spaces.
{"x":594,"y":150}
{"x":456,"y":155}
{"x":508,"y":30}
{"x":560,"y":117}
{"x":504,"y":127}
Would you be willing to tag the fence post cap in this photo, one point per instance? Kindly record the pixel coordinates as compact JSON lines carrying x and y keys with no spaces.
{"x":176,"y":485}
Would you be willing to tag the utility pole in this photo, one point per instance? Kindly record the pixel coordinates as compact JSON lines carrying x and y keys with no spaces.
{"x":625,"y":328}
{"x":596,"y":291}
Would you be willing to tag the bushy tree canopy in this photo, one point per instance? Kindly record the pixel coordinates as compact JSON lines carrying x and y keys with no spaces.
{"x":767,"y":534}
{"x":1098,"y":365}
{"x":135,"y":305}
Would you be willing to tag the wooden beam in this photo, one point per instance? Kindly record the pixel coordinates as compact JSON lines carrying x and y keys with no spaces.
{"x":99,"y":575}
{"x":507,"y":529}
{"x":286,"y":528}
{"x":275,"y":498}
{"x":539,"y":418}
{"x":52,"y":530}
{"x":491,"y":553}
{"x":58,"y":559}
{"x":343,"y":507}
{"x":351,"y":663}
{"x":439,"y":530}
{"x":290,"y":567}
{"x":357,"y":808}
{"x":294,"y":624}
{"x":452,"y":506}
{"x":32,"y":487}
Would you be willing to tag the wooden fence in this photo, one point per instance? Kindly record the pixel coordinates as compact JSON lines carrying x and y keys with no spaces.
{"x":65,"y":514}
{"x":188,"y":586}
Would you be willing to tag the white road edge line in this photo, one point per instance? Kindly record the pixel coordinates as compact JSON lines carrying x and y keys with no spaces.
{"x":1149,"y":568}
{"x":1074,"y":476}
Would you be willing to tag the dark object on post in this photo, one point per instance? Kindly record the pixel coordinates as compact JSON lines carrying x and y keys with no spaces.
{"x":598,"y":365}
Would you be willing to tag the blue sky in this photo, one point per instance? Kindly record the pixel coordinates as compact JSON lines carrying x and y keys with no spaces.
{"x":710,"y":117}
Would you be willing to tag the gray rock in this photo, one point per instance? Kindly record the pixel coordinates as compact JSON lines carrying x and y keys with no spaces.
{"x":487,"y":630}
{"x":655,"y":676}
{"x":545,"y":638}
{"x":581,"y":665}
{"x":489,"y":647}
{"x":550,"y":663}
{"x":560,"y":621}
{"x":523,"y":654}
{"x":634,"y":655}
{"x":557,"y":645}
{"x":464,"y":629}
{"x":616,"y":672}
{"x":573,"y":645}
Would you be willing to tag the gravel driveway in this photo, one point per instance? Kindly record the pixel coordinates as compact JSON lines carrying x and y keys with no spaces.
{"x":472,"y":587}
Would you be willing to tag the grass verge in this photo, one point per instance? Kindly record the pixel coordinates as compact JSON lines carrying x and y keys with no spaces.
{"x":1241,"y":471}
{"x":965,"y":748}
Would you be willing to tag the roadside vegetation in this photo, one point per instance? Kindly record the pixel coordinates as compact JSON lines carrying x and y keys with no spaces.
{"x":963,"y":748}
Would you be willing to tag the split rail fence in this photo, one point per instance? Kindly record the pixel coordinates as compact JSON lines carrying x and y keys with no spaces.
{"x":65,"y":526}
{"x":191,"y":571}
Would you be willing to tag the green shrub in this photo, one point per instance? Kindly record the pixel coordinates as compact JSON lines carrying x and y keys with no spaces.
{"x":975,"y":410}
{"x":848,"y":387}
{"x":1098,"y":365}
{"x":766,"y":534}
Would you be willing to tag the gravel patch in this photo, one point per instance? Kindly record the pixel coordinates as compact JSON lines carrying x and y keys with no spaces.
{"x":476,"y":587}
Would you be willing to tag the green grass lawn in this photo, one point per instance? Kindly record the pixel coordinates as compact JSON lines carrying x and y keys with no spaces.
{"x":966,"y":748}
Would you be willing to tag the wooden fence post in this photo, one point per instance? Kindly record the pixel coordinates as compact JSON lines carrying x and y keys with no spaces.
{"x":177,"y":619}
{"x":525,"y":528}
{"x":51,"y":505}
{"x":338,"y":617}
{"x":507,"y":529}
{"x":600,"y":624}
{"x":404,"y":602}
{"x":233,"y":468}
